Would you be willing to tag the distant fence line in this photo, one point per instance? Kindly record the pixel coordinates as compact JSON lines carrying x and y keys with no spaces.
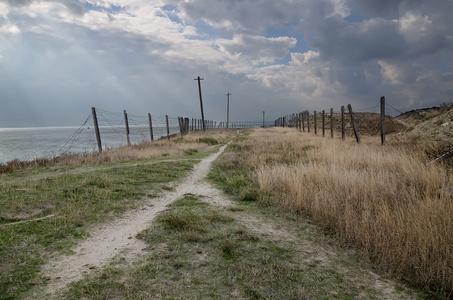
{"x":306,"y":122}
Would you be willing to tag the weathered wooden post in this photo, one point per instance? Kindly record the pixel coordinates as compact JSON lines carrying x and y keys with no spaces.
{"x":150,"y":127}
{"x":356,"y":133}
{"x":323,"y":116}
{"x":383,"y":120}
{"x":342,"y":124}
{"x":181,"y":130}
{"x":127,"y":129}
{"x":96,"y":128}
{"x":299,"y":120}
{"x":308,"y":121}
{"x":331,"y":123}
{"x":316,"y":128}
{"x":302,"y":120}
{"x":168,"y":128}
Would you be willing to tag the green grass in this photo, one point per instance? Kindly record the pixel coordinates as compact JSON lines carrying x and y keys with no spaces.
{"x":199,"y":251}
{"x":208,"y":140}
{"x":77,"y":201}
{"x":195,"y":245}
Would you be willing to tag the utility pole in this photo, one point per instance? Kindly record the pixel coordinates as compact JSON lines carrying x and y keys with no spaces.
{"x":201,"y":101}
{"x":228,"y":108}
{"x":263,"y":118}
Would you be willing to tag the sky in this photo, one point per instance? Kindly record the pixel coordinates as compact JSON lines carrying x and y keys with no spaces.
{"x":59,"y":58}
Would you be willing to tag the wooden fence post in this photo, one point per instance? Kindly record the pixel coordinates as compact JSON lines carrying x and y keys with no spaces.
{"x":308,"y":121}
{"x":96,"y":128}
{"x":150,"y":127}
{"x":383,"y":120}
{"x":302,"y":121}
{"x":316,"y":127}
{"x":357,"y":137}
{"x":127,"y":129}
{"x":168,"y":128}
{"x":181,"y":130}
{"x":323,"y":122}
{"x":299,"y":124}
{"x":187,"y":125}
{"x":331,"y":123}
{"x":342,"y":123}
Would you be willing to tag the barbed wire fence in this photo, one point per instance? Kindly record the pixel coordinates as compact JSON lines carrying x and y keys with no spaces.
{"x":118,"y":129}
{"x":321,"y":120}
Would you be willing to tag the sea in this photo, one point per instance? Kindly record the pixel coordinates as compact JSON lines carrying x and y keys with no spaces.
{"x":45,"y":142}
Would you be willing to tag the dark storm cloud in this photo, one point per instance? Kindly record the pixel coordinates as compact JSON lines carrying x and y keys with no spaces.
{"x":388,"y":9}
{"x":243,"y":16}
{"x":18,"y":3}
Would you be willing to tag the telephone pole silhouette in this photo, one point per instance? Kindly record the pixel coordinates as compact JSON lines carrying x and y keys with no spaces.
{"x":201,"y":100}
{"x":228,"y":108}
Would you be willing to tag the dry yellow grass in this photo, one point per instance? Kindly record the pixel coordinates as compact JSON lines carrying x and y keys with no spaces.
{"x":384,"y":200}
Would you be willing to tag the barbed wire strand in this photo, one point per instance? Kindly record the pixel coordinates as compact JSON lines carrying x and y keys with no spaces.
{"x":70,"y":142}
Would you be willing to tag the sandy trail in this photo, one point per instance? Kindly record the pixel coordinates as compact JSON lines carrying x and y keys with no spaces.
{"x":119,"y":237}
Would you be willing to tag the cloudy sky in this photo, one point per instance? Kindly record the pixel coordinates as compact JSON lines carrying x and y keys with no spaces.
{"x":58,"y":58}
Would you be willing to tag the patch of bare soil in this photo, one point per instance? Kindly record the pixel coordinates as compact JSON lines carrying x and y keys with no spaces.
{"x":436,"y":128}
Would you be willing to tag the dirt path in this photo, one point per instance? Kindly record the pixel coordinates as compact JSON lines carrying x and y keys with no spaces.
{"x":119,"y":237}
{"x":118,"y":240}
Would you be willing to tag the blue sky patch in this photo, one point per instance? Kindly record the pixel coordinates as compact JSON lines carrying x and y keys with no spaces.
{"x":113,"y":9}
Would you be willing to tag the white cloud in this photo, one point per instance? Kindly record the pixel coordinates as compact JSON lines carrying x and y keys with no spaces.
{"x":4,"y":10}
{"x":412,"y":24}
{"x":306,"y":52}
{"x":257,"y":49}
{"x":9,"y":29}
{"x":391,"y":73}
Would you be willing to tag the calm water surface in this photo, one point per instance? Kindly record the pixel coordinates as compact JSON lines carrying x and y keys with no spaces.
{"x":31,"y":143}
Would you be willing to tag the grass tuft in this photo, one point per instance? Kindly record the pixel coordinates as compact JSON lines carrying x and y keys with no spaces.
{"x":208,"y":140}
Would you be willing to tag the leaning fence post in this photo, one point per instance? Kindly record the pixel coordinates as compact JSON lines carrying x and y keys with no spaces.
{"x":96,"y":128}
{"x":383,"y":120}
{"x":357,"y":137}
{"x":150,"y":127}
{"x":168,"y":128}
{"x":127,"y":128}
